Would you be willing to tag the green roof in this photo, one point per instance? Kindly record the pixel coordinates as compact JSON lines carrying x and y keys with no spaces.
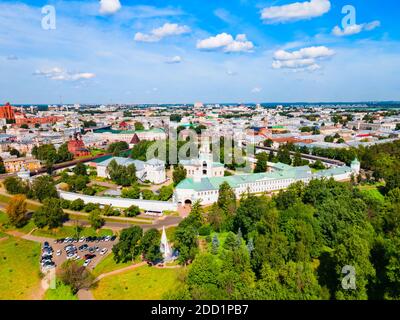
{"x":235,"y":181}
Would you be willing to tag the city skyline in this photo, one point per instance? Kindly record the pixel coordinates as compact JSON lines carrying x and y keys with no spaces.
{"x":250,"y":51}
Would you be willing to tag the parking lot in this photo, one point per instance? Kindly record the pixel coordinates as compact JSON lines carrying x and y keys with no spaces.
{"x":88,"y":251}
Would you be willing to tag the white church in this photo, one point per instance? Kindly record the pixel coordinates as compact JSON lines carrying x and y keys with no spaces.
{"x":206,"y":188}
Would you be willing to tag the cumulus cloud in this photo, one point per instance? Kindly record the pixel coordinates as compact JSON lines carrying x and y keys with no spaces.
{"x":109,"y":6}
{"x":256,"y":90}
{"x":167,"y":30}
{"x":60,"y":74}
{"x":355,"y":28}
{"x":295,"y":11}
{"x":227,"y":43}
{"x":305,"y":59}
{"x":174,"y":59}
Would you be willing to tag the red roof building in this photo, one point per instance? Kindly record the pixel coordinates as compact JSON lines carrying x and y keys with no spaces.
{"x":7,"y":112}
{"x":77,"y":147}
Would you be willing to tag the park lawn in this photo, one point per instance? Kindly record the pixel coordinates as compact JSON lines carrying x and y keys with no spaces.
{"x":30,"y":206}
{"x":143,"y":283}
{"x":19,"y":269}
{"x":108,"y":264}
{"x":69,"y":231}
{"x":61,"y":292}
{"x":5,"y":226}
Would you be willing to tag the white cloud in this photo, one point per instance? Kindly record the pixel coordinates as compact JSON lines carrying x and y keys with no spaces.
{"x":355,"y":29}
{"x":256,"y":90}
{"x":109,"y":6}
{"x":296,"y":11}
{"x":227,"y":43}
{"x":174,"y":59}
{"x":305,"y":59}
{"x":231,"y":73}
{"x":63,"y":75}
{"x":167,"y":30}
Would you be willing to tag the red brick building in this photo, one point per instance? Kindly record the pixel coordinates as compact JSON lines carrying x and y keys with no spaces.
{"x":77,"y":147}
{"x":7,"y":112}
{"x":22,"y":119}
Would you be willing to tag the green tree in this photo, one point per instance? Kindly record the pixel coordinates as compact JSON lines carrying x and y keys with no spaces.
{"x":179,"y":174}
{"x":80,"y":169}
{"x":128,"y":247}
{"x":50,"y":214}
{"x":75,"y":276}
{"x":77,"y":205}
{"x":43,"y":187}
{"x":139,"y":126}
{"x":261,"y":165}
{"x":150,"y":245}
{"x":95,"y":219}
{"x":132,"y":211}
{"x":15,"y":185}
{"x":16,"y":211}
{"x":117,"y":147}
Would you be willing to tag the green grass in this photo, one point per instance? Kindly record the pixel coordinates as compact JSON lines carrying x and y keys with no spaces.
{"x":69,"y":231}
{"x":143,"y":283}
{"x":108,"y":264}
{"x":61,"y":292}
{"x":19,"y":269}
{"x":30,"y":206}
{"x":6,"y":226}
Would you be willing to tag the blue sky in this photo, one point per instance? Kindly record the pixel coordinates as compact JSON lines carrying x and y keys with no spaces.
{"x":122,"y":51}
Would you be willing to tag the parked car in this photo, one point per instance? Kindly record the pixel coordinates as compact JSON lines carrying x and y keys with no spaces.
{"x":108,"y":238}
{"x":59,"y":252}
{"x":89,"y":256}
{"x":113,"y":238}
{"x":103,"y":251}
{"x":83,"y":247}
{"x":87,"y":262}
{"x":82,"y":239}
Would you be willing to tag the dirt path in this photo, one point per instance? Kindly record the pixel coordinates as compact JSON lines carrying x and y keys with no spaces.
{"x":84,"y":294}
{"x":111,"y":273}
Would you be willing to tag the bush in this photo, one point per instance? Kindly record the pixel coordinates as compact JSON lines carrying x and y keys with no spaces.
{"x":132,"y":211}
{"x":90,"y":207}
{"x":89,"y":191}
{"x":77,"y":205}
{"x":65,"y":203}
{"x":205,"y":230}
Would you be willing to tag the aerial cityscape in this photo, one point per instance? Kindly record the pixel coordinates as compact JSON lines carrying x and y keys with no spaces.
{"x":247,"y":150}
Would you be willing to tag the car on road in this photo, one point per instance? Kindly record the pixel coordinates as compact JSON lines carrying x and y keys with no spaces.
{"x":103,"y":251}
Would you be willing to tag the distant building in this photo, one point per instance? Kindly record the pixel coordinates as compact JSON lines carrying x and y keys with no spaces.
{"x":7,"y":112}
{"x":152,"y":170}
{"x":77,"y":147}
{"x":13,"y":165}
